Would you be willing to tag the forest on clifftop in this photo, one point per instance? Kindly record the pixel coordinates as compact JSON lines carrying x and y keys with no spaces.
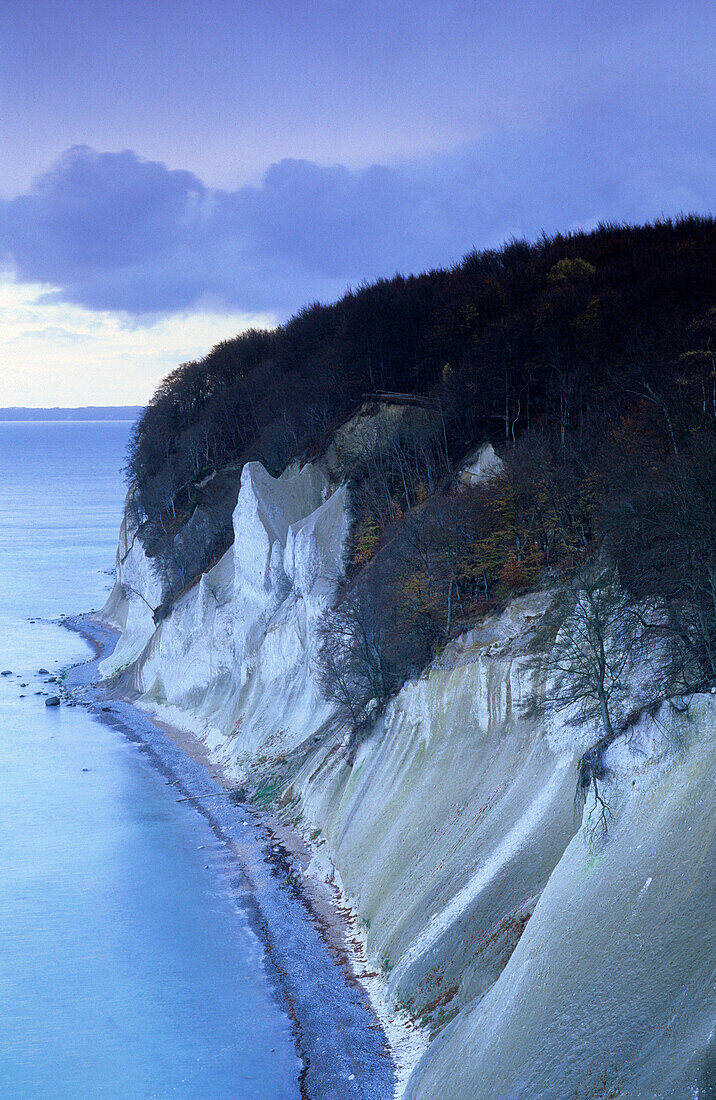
{"x":588,"y":360}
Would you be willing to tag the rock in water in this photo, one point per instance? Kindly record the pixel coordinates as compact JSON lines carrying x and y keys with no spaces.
{"x":52,"y":701}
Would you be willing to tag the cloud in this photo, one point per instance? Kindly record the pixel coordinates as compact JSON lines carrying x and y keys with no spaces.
{"x":61,"y":354}
{"x":113,"y":231}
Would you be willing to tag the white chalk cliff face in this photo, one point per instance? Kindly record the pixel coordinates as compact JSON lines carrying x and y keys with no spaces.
{"x":132,"y":601}
{"x":562,"y":970}
{"x":234,"y":660}
{"x":609,"y":992}
{"x":543,"y":967}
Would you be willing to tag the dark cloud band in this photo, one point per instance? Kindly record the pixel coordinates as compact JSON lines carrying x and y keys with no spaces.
{"x":114,"y":231}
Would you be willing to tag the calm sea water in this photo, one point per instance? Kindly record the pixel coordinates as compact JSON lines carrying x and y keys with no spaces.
{"x":125,"y":968}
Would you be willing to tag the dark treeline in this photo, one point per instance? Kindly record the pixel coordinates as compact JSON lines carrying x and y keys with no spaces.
{"x":588,"y":360}
{"x":549,"y":331}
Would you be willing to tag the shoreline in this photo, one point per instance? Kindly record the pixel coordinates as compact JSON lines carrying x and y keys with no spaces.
{"x":347,"y":1041}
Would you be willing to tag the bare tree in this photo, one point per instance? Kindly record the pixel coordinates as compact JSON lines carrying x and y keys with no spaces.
{"x":592,"y":652}
{"x":352,"y":668}
{"x":336,"y":673}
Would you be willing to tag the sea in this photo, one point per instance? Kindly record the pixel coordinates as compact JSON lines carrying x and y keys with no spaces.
{"x":127,"y":967}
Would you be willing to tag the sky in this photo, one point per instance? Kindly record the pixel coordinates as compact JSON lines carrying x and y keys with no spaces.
{"x":173,"y":173}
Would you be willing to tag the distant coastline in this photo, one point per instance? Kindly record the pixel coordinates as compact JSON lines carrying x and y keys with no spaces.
{"x":88,"y":412}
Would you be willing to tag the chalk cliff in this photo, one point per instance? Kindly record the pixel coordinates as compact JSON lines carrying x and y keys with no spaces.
{"x":541,"y":966}
{"x":233,"y":660}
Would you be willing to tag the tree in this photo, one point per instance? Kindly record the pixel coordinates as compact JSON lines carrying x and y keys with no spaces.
{"x":698,"y":366}
{"x":591,"y":653}
{"x":663,"y":533}
{"x":447,"y":552}
{"x":353,"y":670}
